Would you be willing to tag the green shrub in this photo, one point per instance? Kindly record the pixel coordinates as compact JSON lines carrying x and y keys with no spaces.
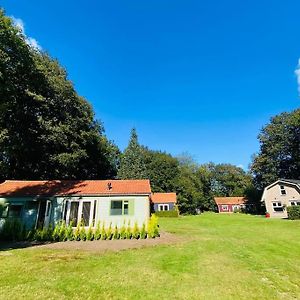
{"x":153,"y":226}
{"x":143,"y":233}
{"x":13,"y":230}
{"x":123,"y":232}
{"x":168,"y":213}
{"x":82,"y":233}
{"x":62,"y":231}
{"x":90,"y":234}
{"x":77,"y":232}
{"x":293,"y":212}
{"x":70,"y":232}
{"x":97,"y":234}
{"x":116,"y":234}
{"x":128,"y":231}
{"x":103,"y":232}
{"x":135,"y":231}
{"x":109,"y":232}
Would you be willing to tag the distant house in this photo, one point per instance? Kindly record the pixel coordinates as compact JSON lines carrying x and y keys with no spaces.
{"x":280,"y":194}
{"x":163,"y":201}
{"x":40,"y":203}
{"x":230,"y":204}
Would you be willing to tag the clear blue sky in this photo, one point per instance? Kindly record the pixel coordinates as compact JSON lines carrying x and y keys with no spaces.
{"x":192,"y":76}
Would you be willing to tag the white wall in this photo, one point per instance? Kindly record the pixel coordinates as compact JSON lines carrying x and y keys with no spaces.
{"x":140,"y":215}
{"x":273,"y":194}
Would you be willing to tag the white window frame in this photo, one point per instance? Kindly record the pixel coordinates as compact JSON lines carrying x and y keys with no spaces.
{"x":162,"y":206}
{"x":224,"y":207}
{"x":282,"y":190}
{"x":92,"y":202}
{"x":296,"y":202}
{"x":278,"y":204}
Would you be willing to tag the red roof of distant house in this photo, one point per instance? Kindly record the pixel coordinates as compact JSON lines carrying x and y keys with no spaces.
{"x":230,"y":200}
{"x":163,"y":197}
{"x":74,"y":187}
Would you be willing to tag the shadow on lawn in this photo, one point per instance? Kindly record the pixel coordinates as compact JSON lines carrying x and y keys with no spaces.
{"x":6,"y":246}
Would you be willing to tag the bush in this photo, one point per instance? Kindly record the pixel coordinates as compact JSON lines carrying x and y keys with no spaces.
{"x":90,"y":234}
{"x":168,"y":213}
{"x":13,"y":230}
{"x":123,"y":232}
{"x":103,"y":232}
{"x":109,"y":232}
{"x":135,"y":231}
{"x":153,"y":227}
{"x":77,"y":233}
{"x":128,"y":231}
{"x":82,"y":233}
{"x":70,"y":232}
{"x":116,"y":234}
{"x":143,"y":233}
{"x":293,"y":212}
{"x":97,"y":235}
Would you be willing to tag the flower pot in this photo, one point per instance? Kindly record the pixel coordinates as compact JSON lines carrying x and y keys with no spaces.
{"x":267,"y":215}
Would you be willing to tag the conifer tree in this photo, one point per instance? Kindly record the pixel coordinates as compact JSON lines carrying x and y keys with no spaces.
{"x":132,"y":164}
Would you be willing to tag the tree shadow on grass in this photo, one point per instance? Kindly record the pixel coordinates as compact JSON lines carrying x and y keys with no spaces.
{"x":7,"y":246}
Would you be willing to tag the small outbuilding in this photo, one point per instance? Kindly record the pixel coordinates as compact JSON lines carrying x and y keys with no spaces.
{"x":230,"y":204}
{"x":163,"y":201}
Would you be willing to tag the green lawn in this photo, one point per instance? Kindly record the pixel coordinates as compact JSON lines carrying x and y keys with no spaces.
{"x":221,"y":257}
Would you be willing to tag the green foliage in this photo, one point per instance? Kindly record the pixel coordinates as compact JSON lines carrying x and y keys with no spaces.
{"x":97,"y":235}
{"x":153,"y":227}
{"x":123,"y":231}
{"x":132,"y":163}
{"x":77,"y":232}
{"x":279,"y":154}
{"x":143,"y":232}
{"x":70,"y":232}
{"x":103,"y":232}
{"x":293,"y":212}
{"x":90,"y":234}
{"x":109,"y":232}
{"x":116,"y":234}
{"x":59,"y":137}
{"x":12,"y":230}
{"x":135,"y":231}
{"x":169,"y":213}
{"x":128,"y":231}
{"x":82,"y":233}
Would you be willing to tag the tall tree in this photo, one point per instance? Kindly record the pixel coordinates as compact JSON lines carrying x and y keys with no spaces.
{"x":46,"y":130}
{"x":162,"y":170}
{"x":279,"y":155}
{"x":132,"y":163}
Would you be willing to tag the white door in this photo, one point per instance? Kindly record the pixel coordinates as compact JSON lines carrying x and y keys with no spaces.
{"x":48,"y":213}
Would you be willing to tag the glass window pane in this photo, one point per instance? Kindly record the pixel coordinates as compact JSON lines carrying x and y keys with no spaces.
{"x":86,"y":209}
{"x":14,"y":211}
{"x":126,"y":207}
{"x":74,"y":213}
{"x":116,"y":208}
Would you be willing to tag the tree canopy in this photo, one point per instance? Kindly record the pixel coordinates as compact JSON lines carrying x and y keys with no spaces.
{"x":46,"y":129}
{"x":279,"y":154}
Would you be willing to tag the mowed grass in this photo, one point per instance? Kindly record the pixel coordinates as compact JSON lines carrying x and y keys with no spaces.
{"x":220,"y":257}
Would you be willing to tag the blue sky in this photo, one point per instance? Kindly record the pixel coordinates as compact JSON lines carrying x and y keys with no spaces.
{"x":192,"y":76}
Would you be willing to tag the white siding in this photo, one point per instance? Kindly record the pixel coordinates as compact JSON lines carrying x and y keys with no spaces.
{"x":273,"y":194}
{"x":140,"y":215}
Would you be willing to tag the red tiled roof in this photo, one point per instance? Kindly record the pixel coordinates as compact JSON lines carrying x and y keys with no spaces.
{"x":230,"y":200}
{"x":74,"y":187}
{"x":163,"y":197}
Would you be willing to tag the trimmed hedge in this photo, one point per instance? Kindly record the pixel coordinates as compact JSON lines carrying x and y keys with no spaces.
{"x":168,"y":213}
{"x":14,"y":230}
{"x":293,"y":212}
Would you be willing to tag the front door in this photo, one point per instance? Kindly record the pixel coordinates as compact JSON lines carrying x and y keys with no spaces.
{"x":48,"y":213}
{"x":44,"y":214}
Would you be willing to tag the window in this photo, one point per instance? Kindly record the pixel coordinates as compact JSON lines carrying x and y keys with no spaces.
{"x":86,"y":210}
{"x":163,"y":207}
{"x":15,"y":210}
{"x":74,"y":213}
{"x":295,"y":203}
{"x":4,"y":213}
{"x":282,"y":190}
{"x":277,"y":206}
{"x":119,"y":208}
{"x":224,"y":207}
